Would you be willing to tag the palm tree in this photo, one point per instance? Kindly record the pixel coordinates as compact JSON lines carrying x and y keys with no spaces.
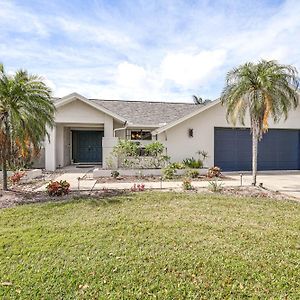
{"x":197,"y":100}
{"x":264,"y":90}
{"x":26,"y":110}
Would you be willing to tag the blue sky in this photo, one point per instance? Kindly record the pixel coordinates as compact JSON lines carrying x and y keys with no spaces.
{"x":145,"y":50}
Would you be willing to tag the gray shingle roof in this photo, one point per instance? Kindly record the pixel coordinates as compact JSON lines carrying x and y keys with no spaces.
{"x":147,"y":113}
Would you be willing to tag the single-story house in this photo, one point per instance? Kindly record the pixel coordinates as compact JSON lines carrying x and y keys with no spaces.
{"x":86,"y":130}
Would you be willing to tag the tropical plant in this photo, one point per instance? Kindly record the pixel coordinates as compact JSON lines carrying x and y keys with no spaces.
{"x":154,"y":149}
{"x":126,"y":148}
{"x":193,"y":163}
{"x":197,"y":100}
{"x":215,"y":186}
{"x":26,"y":109}
{"x":214,"y":172}
{"x":264,"y":90}
{"x":187,"y":184}
{"x":203,"y":155}
{"x":16,"y":177}
{"x":156,"y":157}
{"x":58,"y":188}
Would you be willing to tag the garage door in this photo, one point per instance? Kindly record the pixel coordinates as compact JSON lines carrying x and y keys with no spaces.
{"x":278,"y":150}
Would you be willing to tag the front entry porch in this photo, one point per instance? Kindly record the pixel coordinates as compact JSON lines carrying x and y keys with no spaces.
{"x":78,"y":144}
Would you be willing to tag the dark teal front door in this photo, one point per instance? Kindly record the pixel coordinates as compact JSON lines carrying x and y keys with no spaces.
{"x":87,"y":146}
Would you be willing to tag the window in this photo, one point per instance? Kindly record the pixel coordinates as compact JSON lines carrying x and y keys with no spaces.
{"x":140,"y":135}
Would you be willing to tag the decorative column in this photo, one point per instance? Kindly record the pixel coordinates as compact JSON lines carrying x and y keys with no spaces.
{"x":108,"y":141}
{"x":50,"y":150}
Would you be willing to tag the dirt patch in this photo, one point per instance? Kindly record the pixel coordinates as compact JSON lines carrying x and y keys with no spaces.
{"x":254,"y":192}
{"x":14,"y":198}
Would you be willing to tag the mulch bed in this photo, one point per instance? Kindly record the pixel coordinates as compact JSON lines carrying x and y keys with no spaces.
{"x":153,"y":178}
{"x":253,"y":192}
{"x":14,"y":198}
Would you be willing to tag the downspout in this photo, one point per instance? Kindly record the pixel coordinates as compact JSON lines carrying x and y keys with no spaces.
{"x":121,"y":128}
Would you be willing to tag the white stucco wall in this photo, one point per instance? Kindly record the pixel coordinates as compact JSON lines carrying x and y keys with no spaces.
{"x":180,"y":146}
{"x":80,"y":113}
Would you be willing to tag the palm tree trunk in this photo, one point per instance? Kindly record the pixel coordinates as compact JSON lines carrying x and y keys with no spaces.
{"x":4,"y":174}
{"x":5,"y":152}
{"x":254,"y":154}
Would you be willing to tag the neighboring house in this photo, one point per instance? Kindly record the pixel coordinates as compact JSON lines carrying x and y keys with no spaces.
{"x":87,"y":129}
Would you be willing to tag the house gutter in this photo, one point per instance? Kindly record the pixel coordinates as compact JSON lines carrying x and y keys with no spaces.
{"x":121,"y":128}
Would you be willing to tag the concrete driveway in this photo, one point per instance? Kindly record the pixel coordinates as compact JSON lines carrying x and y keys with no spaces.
{"x":284,"y":181}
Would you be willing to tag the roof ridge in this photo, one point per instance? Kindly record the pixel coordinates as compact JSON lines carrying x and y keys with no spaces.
{"x":144,"y":101}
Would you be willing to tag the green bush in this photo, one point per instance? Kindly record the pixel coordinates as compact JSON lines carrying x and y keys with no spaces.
{"x":114,"y":174}
{"x":192,"y":173}
{"x":193,"y":163}
{"x":169,"y":172}
{"x":154,"y":149}
{"x":126,"y":148}
{"x":128,"y":155}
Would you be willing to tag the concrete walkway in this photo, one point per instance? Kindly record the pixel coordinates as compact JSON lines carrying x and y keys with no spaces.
{"x":284,"y":182}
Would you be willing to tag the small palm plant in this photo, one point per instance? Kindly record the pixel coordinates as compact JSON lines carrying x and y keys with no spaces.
{"x":264,"y":90}
{"x":26,"y":109}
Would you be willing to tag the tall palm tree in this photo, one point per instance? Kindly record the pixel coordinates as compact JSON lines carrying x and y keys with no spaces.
{"x":197,"y":100}
{"x":264,"y":90}
{"x":26,"y":109}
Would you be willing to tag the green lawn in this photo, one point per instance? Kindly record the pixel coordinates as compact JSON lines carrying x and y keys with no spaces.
{"x":151,"y":245}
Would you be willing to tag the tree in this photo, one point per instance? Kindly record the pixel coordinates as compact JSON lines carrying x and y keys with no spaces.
{"x":26,"y":109}
{"x":197,"y":100}
{"x":264,"y":90}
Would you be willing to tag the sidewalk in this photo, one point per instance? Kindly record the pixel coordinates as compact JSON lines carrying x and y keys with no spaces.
{"x":287,"y":183}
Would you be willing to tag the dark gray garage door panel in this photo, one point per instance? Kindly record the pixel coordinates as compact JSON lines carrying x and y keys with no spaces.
{"x":279,"y":149}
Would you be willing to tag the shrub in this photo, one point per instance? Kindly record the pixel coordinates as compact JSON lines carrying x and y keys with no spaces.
{"x":58,"y":188}
{"x":192,"y":173}
{"x":193,"y":163}
{"x":169,"y":172}
{"x":177,"y":165}
{"x":114,"y":174}
{"x":214,"y":172}
{"x":138,"y":188}
{"x":128,"y":155}
{"x":215,"y":186}
{"x":187,"y":184}
{"x":154,"y":149}
{"x":16,"y":177}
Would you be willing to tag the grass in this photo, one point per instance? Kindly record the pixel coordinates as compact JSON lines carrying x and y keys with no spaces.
{"x":151,"y":245}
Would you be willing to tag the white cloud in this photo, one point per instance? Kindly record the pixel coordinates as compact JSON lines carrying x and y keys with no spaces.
{"x":13,"y":17}
{"x":159,"y":50}
{"x":190,"y":71}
